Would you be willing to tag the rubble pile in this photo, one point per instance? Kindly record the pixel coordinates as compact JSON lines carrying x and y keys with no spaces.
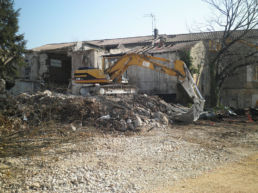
{"x":127,"y":112}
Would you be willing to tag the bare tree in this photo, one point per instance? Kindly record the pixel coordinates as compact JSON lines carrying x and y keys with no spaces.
{"x":237,"y":20}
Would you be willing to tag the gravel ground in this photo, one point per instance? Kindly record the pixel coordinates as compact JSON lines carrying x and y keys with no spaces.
{"x":130,"y":162}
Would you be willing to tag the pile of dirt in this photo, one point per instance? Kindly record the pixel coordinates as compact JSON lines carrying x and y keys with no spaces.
{"x":127,"y":112}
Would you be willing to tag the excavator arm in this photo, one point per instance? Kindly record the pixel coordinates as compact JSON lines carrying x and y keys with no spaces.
{"x":179,"y":70}
{"x":116,"y":71}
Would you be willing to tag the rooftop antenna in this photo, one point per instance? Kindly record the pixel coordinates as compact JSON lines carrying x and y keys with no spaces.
{"x":153,"y":20}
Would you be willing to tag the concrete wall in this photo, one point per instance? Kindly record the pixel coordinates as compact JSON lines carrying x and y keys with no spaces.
{"x":31,"y":74}
{"x":152,"y":82}
{"x":27,"y":86}
{"x":36,"y":66}
{"x":240,"y":98}
{"x":88,"y":58}
{"x":239,"y":90}
{"x":82,"y":58}
{"x":98,"y":58}
{"x":41,"y":71}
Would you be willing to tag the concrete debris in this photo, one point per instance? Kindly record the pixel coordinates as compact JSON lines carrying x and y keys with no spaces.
{"x":161,"y":117}
{"x":137,"y":121}
{"x":25,"y":118}
{"x":215,"y":114}
{"x":130,"y":112}
{"x":73,"y":127}
{"x":47,"y":93}
{"x":105,"y":117}
{"x":129,"y":121}
{"x":231,"y":112}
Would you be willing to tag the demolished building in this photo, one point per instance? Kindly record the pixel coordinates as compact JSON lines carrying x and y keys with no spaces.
{"x":52,"y":65}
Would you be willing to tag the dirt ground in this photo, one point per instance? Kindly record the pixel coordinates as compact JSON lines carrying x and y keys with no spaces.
{"x":237,"y":177}
{"x":205,"y":156}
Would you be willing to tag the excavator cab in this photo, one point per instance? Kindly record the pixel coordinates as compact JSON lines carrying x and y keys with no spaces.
{"x":88,"y":75}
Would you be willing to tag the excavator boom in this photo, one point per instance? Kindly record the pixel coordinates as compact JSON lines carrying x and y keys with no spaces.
{"x":116,"y":71}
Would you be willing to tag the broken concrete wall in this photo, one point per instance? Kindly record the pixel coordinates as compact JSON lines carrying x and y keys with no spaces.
{"x":31,"y":74}
{"x":81,"y":59}
{"x":98,"y":58}
{"x":32,"y":66}
{"x":36,"y":66}
{"x":43,"y":67}
{"x":88,"y":58}
{"x":85,"y":58}
{"x":76,"y":60}
{"x":48,"y":69}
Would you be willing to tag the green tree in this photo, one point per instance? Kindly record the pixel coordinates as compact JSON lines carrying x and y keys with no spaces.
{"x":185,"y":55}
{"x":12,"y":45}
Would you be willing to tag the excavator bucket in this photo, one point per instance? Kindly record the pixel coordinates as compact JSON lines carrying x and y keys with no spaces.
{"x":193,"y":92}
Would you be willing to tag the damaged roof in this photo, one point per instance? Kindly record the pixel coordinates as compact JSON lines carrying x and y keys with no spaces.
{"x":117,"y":41}
{"x":206,"y":36}
{"x":62,"y":46}
{"x":173,"y":42}
{"x":54,"y":47}
{"x":161,"y":49}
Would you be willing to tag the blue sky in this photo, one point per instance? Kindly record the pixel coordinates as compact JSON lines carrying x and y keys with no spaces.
{"x":56,"y":21}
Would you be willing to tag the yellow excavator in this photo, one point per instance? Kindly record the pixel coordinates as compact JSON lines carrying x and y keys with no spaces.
{"x":92,"y":81}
